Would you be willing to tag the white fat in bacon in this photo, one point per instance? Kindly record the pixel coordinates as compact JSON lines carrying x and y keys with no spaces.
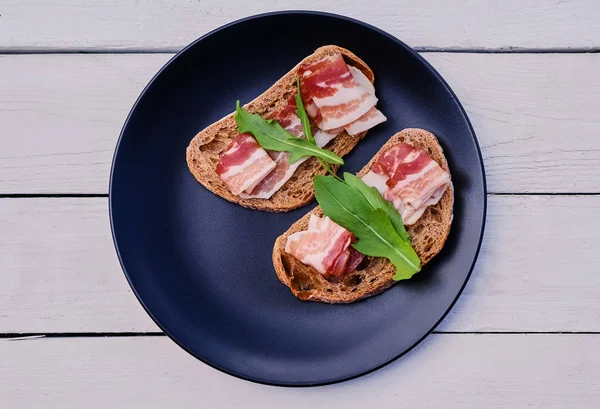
{"x":320,"y":245}
{"x":283,"y":170}
{"x":408,"y":178}
{"x":274,"y":180}
{"x":376,"y":180}
{"x":322,"y":137}
{"x":412,"y":214}
{"x":329,"y":85}
{"x":325,"y":246}
{"x":315,"y":222}
{"x":421,"y":190}
{"x":367,"y":121}
{"x":398,"y":204}
{"x":416,"y":189}
{"x":344,"y":107}
{"x":244,"y":164}
{"x":362,"y":79}
{"x":337,"y":97}
{"x":311,"y":109}
{"x":259,"y":162}
{"x":373,"y":116}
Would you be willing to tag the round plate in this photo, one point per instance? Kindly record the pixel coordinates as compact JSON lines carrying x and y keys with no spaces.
{"x":201,"y":266}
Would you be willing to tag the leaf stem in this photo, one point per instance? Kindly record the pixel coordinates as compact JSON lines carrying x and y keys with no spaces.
{"x":328,"y":169}
{"x":301,"y":112}
{"x":272,"y":136}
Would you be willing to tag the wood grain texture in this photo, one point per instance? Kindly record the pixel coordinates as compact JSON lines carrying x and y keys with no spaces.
{"x":537,"y":123}
{"x":60,"y":117}
{"x":141,"y":25}
{"x":59,"y":269}
{"x":445,"y":371}
{"x":537,"y":270}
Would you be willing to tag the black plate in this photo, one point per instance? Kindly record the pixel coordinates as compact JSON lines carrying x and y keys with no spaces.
{"x":201,"y":266}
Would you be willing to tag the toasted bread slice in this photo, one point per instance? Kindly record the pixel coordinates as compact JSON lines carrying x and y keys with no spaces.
{"x":428,"y":236}
{"x":203,"y":151}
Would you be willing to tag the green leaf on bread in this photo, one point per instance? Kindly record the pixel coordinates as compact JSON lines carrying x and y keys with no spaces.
{"x":354,"y":206}
{"x":270,"y":135}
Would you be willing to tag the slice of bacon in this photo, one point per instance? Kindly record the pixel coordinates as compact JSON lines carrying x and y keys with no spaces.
{"x":413,"y":181}
{"x":325,"y":246}
{"x":362,"y":79}
{"x":339,"y":265}
{"x":367,"y":121}
{"x":243,"y":164}
{"x":373,"y":116}
{"x":336,"y":97}
{"x":329,"y":86}
{"x":354,"y":260}
{"x":283,"y":171}
{"x":287,"y":118}
{"x":322,"y":137}
{"x":376,"y":180}
{"x":398,"y":161}
{"x":272,"y":182}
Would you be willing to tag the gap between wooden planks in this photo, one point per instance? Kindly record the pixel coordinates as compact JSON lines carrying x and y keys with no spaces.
{"x":93,"y":25}
{"x":537,"y":269}
{"x":537,"y":122}
{"x":444,"y":371}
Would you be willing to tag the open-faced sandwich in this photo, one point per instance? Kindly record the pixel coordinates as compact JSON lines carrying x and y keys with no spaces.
{"x":355,"y":244}
{"x":260,"y":156}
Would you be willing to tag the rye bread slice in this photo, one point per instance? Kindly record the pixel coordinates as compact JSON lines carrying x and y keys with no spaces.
{"x":428,"y":236}
{"x":203,"y":151}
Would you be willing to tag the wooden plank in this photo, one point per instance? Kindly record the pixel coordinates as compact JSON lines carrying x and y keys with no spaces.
{"x":445,"y":371}
{"x":60,"y":117}
{"x":537,"y":269}
{"x":97,"y":24}
{"x":537,"y":123}
{"x":534,"y":119}
{"x":59,"y":270}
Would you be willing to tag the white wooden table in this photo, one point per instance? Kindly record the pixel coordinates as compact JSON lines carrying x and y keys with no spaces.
{"x":526,"y":331}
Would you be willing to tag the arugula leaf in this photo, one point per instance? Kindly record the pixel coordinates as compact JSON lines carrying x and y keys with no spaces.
{"x":270,"y":135}
{"x":376,"y":235}
{"x":378,"y":202}
{"x":301,"y":112}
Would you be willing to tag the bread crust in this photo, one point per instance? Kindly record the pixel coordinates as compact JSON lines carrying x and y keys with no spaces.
{"x":428,"y":236}
{"x":202,"y":154}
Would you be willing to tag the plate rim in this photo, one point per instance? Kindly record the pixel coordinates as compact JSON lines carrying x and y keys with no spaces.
{"x":415,"y":54}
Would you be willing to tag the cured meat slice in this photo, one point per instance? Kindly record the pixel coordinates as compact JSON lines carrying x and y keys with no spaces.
{"x":413,"y":181}
{"x":399,"y":161}
{"x":325,"y":246}
{"x":244,"y":164}
{"x":362,"y":79}
{"x":336,"y":97}
{"x":283,"y":171}
{"x":373,"y":116}
{"x":367,"y":121}
{"x":272,"y":182}
{"x":376,"y":180}
{"x":322,"y":137}
{"x":332,"y":96}
{"x":354,"y":260}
